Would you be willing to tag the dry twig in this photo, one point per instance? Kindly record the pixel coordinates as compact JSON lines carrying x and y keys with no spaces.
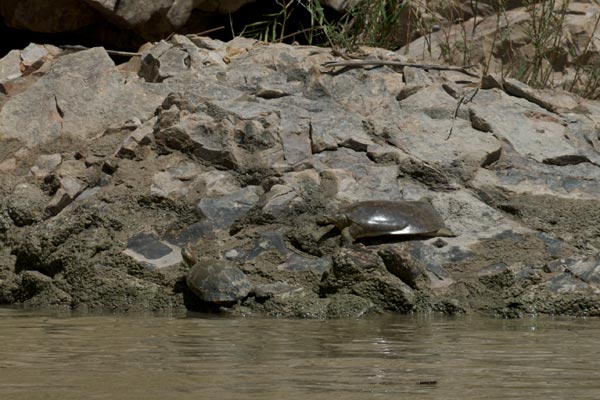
{"x":365,"y":63}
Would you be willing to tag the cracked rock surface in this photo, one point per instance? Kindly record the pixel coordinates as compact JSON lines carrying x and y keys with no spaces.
{"x":235,"y":151}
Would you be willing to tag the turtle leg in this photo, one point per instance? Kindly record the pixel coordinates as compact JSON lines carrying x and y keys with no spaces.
{"x":445,"y":232}
{"x":347,"y":237}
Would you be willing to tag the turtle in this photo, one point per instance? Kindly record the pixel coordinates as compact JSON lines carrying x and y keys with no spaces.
{"x":216,"y":281}
{"x":385,"y":217}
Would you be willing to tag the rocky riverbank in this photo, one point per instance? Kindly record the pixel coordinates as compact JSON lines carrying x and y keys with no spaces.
{"x":236,"y":150}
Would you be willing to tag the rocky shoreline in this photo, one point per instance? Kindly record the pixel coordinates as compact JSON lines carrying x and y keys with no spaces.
{"x":235,"y":150}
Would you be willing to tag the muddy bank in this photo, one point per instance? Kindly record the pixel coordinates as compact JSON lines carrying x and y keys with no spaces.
{"x":235,"y":151}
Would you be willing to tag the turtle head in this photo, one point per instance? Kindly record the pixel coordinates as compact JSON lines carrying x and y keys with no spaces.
{"x":340,"y":220}
{"x":188,"y":255}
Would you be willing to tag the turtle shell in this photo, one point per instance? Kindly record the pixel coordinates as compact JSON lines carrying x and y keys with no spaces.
{"x":382,"y":217}
{"x":217,"y":281}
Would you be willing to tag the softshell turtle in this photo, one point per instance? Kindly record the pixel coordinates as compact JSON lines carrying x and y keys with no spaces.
{"x":216,"y":281}
{"x":384,"y":217}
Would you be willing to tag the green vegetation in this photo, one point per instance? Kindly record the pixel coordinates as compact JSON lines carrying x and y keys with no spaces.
{"x":536,"y":50}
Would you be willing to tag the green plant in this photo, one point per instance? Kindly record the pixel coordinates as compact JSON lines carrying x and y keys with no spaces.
{"x":319,"y":24}
{"x":504,"y":34}
{"x":545,"y":28}
{"x":272,"y":29}
{"x":375,"y":23}
{"x":585,"y":68}
{"x":372,"y":23}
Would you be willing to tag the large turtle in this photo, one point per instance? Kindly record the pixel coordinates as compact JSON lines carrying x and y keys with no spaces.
{"x":215,"y":281}
{"x":384,"y":217}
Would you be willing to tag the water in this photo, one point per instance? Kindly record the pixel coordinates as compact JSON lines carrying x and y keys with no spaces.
{"x":62,"y":356}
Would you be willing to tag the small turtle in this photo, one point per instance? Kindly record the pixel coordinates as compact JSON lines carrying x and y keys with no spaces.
{"x":383,"y":217}
{"x":216,"y":281}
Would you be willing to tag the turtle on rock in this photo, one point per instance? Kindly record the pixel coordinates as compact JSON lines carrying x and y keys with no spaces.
{"x":384,"y":217}
{"x":215,"y":281}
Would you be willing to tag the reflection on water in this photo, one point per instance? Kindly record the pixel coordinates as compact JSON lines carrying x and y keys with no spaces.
{"x":57,"y":356}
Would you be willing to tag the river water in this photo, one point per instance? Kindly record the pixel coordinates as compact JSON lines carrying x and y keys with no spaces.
{"x":67,"y":356}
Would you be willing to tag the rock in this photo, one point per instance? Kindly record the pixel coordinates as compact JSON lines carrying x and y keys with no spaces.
{"x":560,"y":69}
{"x":303,"y":305}
{"x":9,"y":66}
{"x":217,"y":183}
{"x":151,"y":252}
{"x":141,"y":136}
{"x":223,"y":211}
{"x":68,"y":191}
{"x":175,"y":182}
{"x":276,"y":289}
{"x":588,"y":270}
{"x":111,"y":289}
{"x":278,"y":199}
{"x":45,"y":165}
{"x":164,"y":61}
{"x":60,"y":16}
{"x":32,"y":56}
{"x":268,"y":241}
{"x":299,"y":263}
{"x":26,"y":204}
{"x":497,"y":275}
{"x":217,"y":281}
{"x":363,"y":274}
{"x":8,"y":165}
{"x":82,"y":91}
{"x":411,"y":273}
{"x":10,"y":286}
{"x":150,"y":20}
{"x":238,"y":149}
{"x":556,"y":100}
{"x":558,"y":265}
{"x":565,"y":283}
{"x":39,"y":290}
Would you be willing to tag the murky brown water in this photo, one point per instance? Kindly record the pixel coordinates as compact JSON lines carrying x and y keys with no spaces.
{"x":58,"y":356}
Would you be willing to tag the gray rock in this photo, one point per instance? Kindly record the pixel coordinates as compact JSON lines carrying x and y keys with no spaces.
{"x":58,"y":16}
{"x":10,"y":164}
{"x":9,"y":66}
{"x":558,"y":265}
{"x":496,"y":276}
{"x":38,"y":290}
{"x":298,"y":263}
{"x":399,"y":264}
{"x":268,"y":241}
{"x":68,"y":191}
{"x":254,"y":143}
{"x":217,"y":281}
{"x":175,"y":182}
{"x":304,"y":305}
{"x":45,"y":165}
{"x":112,"y":289}
{"x":164,"y":61}
{"x":155,"y":19}
{"x":82,"y":92}
{"x":276,"y":289}
{"x":33,"y":54}
{"x":141,"y":136}
{"x":532,"y":131}
{"x":566,"y":283}
{"x":26,"y":205}
{"x":555,"y":101}
{"x":359,"y":272}
{"x":223,"y":211}
{"x":278,"y":199}
{"x":152,"y":252}
{"x":10,"y":286}
{"x":588,"y":270}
